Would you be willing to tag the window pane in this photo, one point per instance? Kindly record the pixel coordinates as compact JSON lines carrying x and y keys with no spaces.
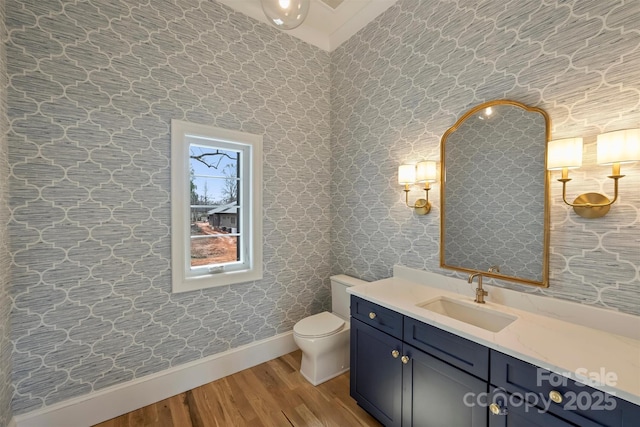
{"x":214,"y":182}
{"x":213,"y":250}
{"x":213,"y":175}
{"x":212,"y":161}
{"x":214,"y":237}
{"x":213,"y":191}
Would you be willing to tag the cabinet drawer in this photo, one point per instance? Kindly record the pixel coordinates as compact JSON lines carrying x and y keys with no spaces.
{"x":581,"y":404}
{"x":467,"y":355}
{"x":515,"y":412}
{"x":377,"y":316}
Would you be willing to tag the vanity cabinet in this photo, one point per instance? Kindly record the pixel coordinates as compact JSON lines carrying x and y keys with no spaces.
{"x":404,"y":376}
{"x":407,"y":373}
{"x":535,"y":394}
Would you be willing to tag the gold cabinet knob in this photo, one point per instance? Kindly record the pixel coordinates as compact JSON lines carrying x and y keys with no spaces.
{"x":405,"y":359}
{"x":555,"y":396}
{"x":497,"y":410}
{"x":372,"y":315}
{"x":395,"y":354}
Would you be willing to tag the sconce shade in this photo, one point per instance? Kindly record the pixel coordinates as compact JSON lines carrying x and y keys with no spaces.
{"x":285,"y":14}
{"x":426,"y":171}
{"x":406,"y":174}
{"x":564,"y":153}
{"x":619,"y":146}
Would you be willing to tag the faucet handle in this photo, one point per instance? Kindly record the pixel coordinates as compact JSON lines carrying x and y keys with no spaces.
{"x":480,"y":294}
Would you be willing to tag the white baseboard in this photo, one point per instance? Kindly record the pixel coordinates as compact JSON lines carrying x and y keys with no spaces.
{"x":113,"y":401}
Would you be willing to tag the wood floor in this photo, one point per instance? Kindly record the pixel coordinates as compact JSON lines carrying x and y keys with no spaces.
{"x":271,"y":394}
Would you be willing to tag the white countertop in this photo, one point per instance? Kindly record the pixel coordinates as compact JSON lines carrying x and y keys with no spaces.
{"x":565,"y":347}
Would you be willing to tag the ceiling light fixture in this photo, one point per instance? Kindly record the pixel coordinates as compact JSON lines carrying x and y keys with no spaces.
{"x":285,"y":14}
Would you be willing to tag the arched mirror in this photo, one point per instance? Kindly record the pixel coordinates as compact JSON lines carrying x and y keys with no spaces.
{"x":495,"y":187}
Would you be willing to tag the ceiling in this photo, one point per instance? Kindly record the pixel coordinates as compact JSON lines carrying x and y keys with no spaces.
{"x":329,"y":23}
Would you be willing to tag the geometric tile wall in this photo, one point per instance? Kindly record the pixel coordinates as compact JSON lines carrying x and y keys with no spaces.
{"x":402,"y":81}
{"x":5,"y":257}
{"x":93,"y":86}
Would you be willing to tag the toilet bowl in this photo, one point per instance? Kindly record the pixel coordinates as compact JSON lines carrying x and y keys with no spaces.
{"x":324,"y":337}
{"x":324,"y":341}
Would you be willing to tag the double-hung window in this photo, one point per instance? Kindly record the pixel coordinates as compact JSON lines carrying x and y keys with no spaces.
{"x":216,"y":206}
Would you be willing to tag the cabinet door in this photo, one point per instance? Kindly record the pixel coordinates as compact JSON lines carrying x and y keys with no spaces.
{"x":376,"y":375}
{"x":515,"y":412}
{"x":436,"y":394}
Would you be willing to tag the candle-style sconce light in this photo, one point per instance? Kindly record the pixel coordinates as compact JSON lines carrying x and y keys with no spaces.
{"x":422,"y":172}
{"x":613,"y":148}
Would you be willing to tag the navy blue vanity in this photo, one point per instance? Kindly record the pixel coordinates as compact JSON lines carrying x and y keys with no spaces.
{"x":407,"y":373}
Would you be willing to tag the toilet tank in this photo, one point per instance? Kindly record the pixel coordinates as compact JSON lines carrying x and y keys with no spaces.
{"x":339,"y":296}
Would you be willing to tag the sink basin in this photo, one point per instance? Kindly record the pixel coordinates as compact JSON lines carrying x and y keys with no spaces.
{"x":471,"y":313}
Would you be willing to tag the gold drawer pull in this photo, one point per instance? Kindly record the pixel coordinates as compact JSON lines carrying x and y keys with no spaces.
{"x":395,"y":354}
{"x":555,"y":396}
{"x":497,"y":410}
{"x":372,"y":315}
{"x":405,"y":359}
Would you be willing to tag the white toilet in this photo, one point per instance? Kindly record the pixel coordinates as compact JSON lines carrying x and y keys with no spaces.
{"x":324,"y":337}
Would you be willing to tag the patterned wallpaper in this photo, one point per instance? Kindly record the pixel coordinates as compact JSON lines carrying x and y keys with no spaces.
{"x":93,"y":86}
{"x":402,"y":81}
{"x":5,"y":256}
{"x":494,"y":187}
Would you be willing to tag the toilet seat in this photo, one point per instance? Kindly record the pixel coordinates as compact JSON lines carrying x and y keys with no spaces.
{"x":319,"y":325}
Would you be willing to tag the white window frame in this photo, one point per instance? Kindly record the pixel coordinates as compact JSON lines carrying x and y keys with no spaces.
{"x":185,"y":278}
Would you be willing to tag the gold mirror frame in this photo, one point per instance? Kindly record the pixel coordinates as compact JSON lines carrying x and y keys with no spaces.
{"x":545,"y":244}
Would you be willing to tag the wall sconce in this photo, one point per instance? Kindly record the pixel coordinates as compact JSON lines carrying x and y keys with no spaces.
{"x":616,"y":147}
{"x":423,"y":172}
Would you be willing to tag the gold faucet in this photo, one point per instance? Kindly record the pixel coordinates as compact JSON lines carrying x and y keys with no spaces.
{"x":480,"y":293}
